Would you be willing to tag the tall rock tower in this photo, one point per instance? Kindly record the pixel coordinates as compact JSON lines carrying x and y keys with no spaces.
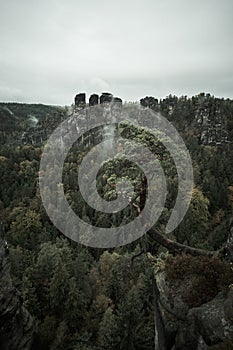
{"x":80,"y":100}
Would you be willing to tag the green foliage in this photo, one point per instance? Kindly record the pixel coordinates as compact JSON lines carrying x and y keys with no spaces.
{"x":206,"y":275}
{"x":193,"y":229}
{"x":84,"y":298}
{"x":109,"y":337}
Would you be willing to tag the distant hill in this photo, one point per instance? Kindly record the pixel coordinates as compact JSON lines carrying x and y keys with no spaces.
{"x":207,"y":118}
{"x":22,"y":110}
{"x":16,"y":118}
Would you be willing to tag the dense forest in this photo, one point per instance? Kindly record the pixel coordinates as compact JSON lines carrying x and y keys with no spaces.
{"x":87,"y":298}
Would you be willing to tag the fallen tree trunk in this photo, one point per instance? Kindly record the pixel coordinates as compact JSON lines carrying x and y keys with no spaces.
{"x":178,"y":248}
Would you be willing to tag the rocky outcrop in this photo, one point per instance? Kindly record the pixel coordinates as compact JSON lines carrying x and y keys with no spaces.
{"x":106,"y":97}
{"x":94,"y":100}
{"x":17,"y":328}
{"x":197,"y":328}
{"x":207,"y":325}
{"x":117,"y":100}
{"x":210,"y":121}
{"x":80,"y":100}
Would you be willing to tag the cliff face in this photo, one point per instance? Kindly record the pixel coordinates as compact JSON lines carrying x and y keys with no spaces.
{"x":197,"y":328}
{"x":17,"y":328}
{"x":211,"y":122}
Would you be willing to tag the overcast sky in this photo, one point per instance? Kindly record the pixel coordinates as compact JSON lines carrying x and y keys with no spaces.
{"x":52,"y":49}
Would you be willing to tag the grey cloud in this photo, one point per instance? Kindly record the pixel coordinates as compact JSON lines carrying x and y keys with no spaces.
{"x":49,"y":50}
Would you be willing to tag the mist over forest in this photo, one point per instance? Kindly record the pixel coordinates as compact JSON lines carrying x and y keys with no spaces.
{"x":160,"y":291}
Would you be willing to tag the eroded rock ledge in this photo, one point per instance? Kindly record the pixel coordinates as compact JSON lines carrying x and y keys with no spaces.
{"x":197,"y":328}
{"x":17,"y":328}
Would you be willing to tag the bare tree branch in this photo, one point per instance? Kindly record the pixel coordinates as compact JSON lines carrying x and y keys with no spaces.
{"x":136,"y":256}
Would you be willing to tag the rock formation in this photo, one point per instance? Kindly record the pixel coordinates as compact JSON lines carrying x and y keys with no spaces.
{"x":210,"y":122}
{"x":117,"y":100}
{"x":17,"y":328}
{"x":106,"y":97}
{"x":80,"y":100}
{"x":195,"y":328}
{"x":94,"y":100}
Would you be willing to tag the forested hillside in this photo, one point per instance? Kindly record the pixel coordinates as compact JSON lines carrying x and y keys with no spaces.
{"x":141,"y":294}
